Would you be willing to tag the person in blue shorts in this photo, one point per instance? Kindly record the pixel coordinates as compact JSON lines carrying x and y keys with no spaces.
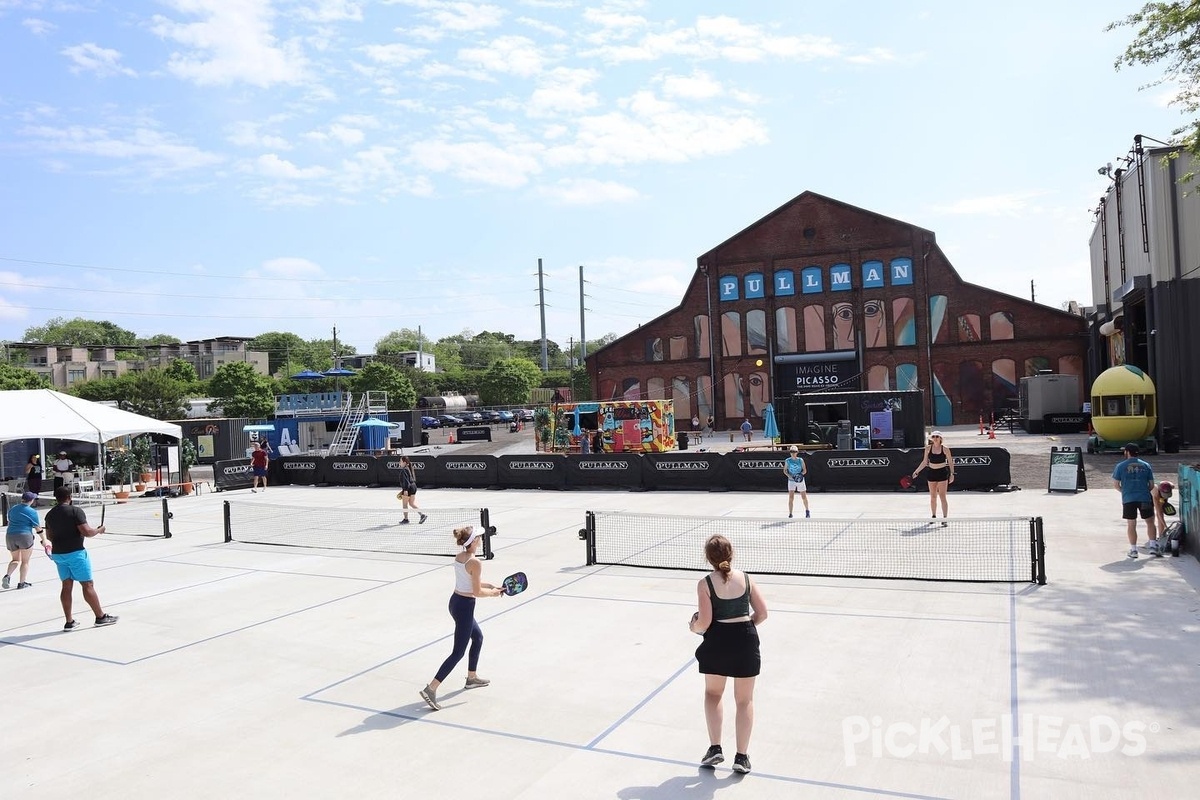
{"x":1134,"y":478}
{"x":67,"y":527}
{"x":23,"y":523}
{"x":795,"y":469}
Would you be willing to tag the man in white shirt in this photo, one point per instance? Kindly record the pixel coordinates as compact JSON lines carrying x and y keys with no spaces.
{"x":64,"y":470}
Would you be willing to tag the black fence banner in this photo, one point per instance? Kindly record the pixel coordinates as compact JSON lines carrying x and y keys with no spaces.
{"x":1065,"y":423}
{"x":605,"y":470}
{"x":387,"y":471}
{"x":756,"y":472}
{"x":698,"y":472}
{"x":860,"y":469}
{"x":980,"y":467}
{"x":473,"y":433}
{"x":296,"y":470}
{"x":469,"y":472}
{"x":233,"y":474}
{"x":544,"y":471}
{"x":347,"y":471}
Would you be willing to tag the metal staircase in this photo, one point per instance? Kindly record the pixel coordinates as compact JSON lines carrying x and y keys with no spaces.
{"x":346,"y":437}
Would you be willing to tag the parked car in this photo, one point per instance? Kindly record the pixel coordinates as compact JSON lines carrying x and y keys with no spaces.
{"x":504,"y":416}
{"x":525,"y":414}
{"x":492,"y":416}
{"x":449,"y":420}
{"x":472,"y":417}
{"x":430,"y":422}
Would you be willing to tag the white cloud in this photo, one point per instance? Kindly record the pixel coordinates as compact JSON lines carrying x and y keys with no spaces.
{"x":449,"y":16}
{"x":544,"y":27}
{"x":996,"y":205}
{"x":90,"y":57}
{"x":291,"y":267}
{"x":332,"y":11}
{"x":585,"y":191}
{"x":562,"y":91}
{"x":247,"y":134}
{"x":38,"y":27}
{"x":232,"y":43}
{"x":721,"y":37}
{"x":478,"y":162}
{"x":150,"y":152}
{"x":375,"y":169}
{"x":514,"y":55}
{"x":393,"y":55}
{"x":697,"y":86}
{"x":272,"y":166}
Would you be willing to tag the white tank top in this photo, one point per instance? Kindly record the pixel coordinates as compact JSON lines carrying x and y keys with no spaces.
{"x":462,"y":578}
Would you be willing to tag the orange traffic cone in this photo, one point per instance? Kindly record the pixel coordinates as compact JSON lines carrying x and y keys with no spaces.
{"x":981,"y":424}
{"x":992,"y":431}
{"x":451,"y":439}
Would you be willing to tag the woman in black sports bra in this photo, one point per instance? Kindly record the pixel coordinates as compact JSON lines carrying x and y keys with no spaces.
{"x":730,"y":611}
{"x":940,"y":461}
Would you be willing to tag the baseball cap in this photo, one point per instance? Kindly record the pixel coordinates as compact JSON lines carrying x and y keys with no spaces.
{"x":793,"y":449}
{"x":937,"y":434}
{"x":28,"y":496}
{"x":62,"y":452}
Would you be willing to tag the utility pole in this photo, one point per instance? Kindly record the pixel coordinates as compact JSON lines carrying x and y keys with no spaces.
{"x":1032,"y":293}
{"x":542,"y":309}
{"x":582,"y":332}
{"x":335,"y":348}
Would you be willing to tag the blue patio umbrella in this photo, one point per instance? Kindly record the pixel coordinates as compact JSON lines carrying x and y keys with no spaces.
{"x":337,"y":372}
{"x":375,"y":432}
{"x":770,"y":427}
{"x":374,"y":423}
{"x":308,"y":375}
{"x":577,"y":431}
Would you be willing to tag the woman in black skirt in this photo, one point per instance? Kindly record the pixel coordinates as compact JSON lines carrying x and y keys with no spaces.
{"x":730,"y":610}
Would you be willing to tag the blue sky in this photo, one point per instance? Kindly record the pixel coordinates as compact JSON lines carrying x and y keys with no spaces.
{"x":228,"y":167}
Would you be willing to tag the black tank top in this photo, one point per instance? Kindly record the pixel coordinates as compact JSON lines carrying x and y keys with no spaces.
{"x":937,"y":459}
{"x":732,"y":608}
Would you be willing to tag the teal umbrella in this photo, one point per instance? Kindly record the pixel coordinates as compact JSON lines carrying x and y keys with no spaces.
{"x":770,"y":427}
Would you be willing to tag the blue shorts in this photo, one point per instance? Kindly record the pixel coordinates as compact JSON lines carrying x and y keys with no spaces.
{"x":73,"y":566}
{"x":260,"y":472}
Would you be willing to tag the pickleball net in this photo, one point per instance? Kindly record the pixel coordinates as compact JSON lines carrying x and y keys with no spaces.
{"x":369,"y":530}
{"x":143,"y":517}
{"x":982,"y":549}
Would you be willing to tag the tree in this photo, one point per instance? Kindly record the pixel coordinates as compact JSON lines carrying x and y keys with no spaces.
{"x":400,"y":341}
{"x":241,"y":391}
{"x":1166,"y":34}
{"x":81,"y":332}
{"x":377,"y":377}
{"x":20,"y":378}
{"x":507,"y":382}
{"x":156,"y":393}
{"x":113,"y":389}
{"x":182,"y":371}
{"x":281,"y":348}
{"x":159,"y":338}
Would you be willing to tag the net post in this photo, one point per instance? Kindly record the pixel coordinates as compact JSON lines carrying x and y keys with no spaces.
{"x":1039,"y":550}
{"x":228,"y":524}
{"x":4,"y":507}
{"x":588,"y":534}
{"x":166,"y":519}
{"x":485,"y":520}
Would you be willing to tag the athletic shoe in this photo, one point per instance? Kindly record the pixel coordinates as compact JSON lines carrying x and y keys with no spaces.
{"x":430,"y":698}
{"x":741,"y":763}
{"x":27,"y":585}
{"x":713,"y":757}
{"x":476,"y":682}
{"x":404,"y":521}
{"x":943,"y":523}
{"x":107,"y":619}
{"x":254,"y":491}
{"x":7,"y":580}
{"x":789,"y":517}
{"x":807,"y":513}
{"x":1132,"y":552}
{"x":1152,"y":547}
{"x":70,"y":626}
{"x":424,"y":517}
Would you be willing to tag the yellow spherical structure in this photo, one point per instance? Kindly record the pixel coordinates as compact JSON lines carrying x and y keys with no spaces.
{"x":1124,"y":405}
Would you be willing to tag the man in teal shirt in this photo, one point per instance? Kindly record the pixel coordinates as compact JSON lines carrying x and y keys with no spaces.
{"x":1134,"y":478}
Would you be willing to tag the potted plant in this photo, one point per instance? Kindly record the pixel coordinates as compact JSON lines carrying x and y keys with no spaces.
{"x":187,"y":457}
{"x":140,"y":447}
{"x":123,"y":463}
{"x":541,"y":423}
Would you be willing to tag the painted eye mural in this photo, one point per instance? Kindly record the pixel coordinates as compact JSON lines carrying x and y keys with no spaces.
{"x":756,"y":331}
{"x":874,"y":324}
{"x":760,"y":392}
{"x":700,"y":323}
{"x":1000,"y":325}
{"x":678,"y":348}
{"x":937,"y":317}
{"x":843,"y":326}
{"x":731,"y":334}
{"x":814,"y":329}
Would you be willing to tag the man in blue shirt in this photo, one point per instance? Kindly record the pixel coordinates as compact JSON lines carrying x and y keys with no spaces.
{"x":1134,"y":478}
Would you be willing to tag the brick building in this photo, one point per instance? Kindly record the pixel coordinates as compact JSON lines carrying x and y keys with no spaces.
{"x":821,"y":295}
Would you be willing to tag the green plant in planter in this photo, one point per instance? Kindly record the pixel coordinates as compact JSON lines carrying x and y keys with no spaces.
{"x":140,"y":447}
{"x":187,"y":459}
{"x":124,"y":463}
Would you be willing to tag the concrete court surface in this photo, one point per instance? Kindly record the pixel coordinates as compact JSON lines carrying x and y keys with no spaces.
{"x":242,"y":670}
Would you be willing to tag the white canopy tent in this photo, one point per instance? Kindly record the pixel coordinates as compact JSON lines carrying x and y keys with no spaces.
{"x":46,"y":414}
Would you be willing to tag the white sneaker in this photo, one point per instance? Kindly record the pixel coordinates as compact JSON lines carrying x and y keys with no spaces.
{"x":1132,"y":552}
{"x":1153,"y":548}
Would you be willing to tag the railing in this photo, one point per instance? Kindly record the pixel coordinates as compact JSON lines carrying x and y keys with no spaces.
{"x":313,"y":404}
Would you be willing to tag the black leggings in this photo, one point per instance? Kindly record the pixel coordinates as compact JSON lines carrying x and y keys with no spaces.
{"x":462,"y":609}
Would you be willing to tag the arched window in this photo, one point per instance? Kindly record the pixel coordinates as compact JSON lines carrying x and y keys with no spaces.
{"x":731,"y":334}
{"x":654,"y":349}
{"x":785,"y":330}
{"x":969,"y":329}
{"x":904,"y":322}
{"x":937,"y":317}
{"x":704,"y":398}
{"x":700,"y":326}
{"x":1036,"y":364}
{"x":814,"y":329}
{"x":1000,"y":326}
{"x":681,"y":394}
{"x":735,"y":402}
{"x":843,"y":326}
{"x":972,"y":390}
{"x":678,"y":348}
{"x":756,"y":331}
{"x":878,"y":379}
{"x":760,"y":392}
{"x":874,"y":323}
{"x":608,"y":390}
{"x":631,"y":389}
{"x":1004,"y":383}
